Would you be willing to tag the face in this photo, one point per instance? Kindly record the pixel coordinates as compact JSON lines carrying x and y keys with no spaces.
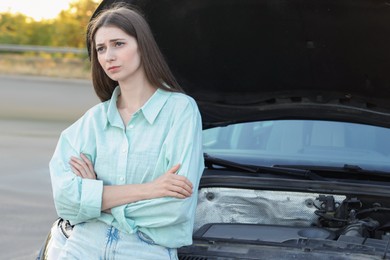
{"x":117,"y":53}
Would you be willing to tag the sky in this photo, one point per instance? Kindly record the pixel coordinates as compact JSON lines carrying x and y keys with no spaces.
{"x":37,"y":9}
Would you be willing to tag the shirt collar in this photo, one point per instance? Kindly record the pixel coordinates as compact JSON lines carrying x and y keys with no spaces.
{"x":150,"y":109}
{"x":113,"y":117}
{"x":153,"y":106}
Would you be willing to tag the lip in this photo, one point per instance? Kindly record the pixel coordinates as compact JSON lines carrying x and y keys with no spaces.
{"x":113,"y":68}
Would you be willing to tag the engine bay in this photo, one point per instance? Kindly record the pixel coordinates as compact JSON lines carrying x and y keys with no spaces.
{"x":311,"y":222}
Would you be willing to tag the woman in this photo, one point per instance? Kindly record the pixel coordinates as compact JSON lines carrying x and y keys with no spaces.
{"x":126,"y":173}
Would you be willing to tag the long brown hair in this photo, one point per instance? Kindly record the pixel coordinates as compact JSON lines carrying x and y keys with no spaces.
{"x":133,"y":23}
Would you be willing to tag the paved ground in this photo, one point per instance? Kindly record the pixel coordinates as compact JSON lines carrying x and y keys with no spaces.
{"x":33,"y":111}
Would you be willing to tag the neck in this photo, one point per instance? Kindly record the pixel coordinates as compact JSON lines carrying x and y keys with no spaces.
{"x":134,"y":95}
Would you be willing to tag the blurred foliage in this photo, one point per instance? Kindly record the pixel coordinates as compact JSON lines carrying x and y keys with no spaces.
{"x":67,"y":29}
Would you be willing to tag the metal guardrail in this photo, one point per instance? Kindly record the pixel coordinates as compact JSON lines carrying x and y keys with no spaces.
{"x":47,"y":49}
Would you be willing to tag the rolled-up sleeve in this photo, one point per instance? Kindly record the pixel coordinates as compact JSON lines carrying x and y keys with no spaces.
{"x":75,"y":199}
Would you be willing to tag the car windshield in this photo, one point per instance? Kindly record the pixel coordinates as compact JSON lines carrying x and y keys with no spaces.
{"x":301,"y":142}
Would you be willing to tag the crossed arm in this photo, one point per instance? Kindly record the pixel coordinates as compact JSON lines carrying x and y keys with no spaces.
{"x":167,"y":185}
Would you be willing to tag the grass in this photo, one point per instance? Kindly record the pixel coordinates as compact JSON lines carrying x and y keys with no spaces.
{"x":46,"y":65}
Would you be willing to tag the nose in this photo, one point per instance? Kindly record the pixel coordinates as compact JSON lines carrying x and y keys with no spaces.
{"x":110,"y":55}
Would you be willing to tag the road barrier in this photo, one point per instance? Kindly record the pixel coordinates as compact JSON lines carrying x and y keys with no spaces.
{"x":47,"y":49}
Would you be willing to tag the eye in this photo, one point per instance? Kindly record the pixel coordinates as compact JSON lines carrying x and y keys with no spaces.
{"x":99,"y":49}
{"x":118,"y":44}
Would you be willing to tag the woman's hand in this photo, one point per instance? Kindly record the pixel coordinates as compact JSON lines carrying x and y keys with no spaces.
{"x":171,"y":185}
{"x":82,"y":167}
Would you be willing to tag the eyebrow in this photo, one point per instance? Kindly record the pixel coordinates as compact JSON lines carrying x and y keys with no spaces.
{"x":112,"y":40}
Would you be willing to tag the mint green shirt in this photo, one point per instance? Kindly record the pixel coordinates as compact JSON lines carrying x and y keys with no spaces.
{"x":167,"y":130}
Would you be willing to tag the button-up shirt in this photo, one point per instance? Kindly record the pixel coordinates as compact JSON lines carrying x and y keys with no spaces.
{"x":167,"y":130}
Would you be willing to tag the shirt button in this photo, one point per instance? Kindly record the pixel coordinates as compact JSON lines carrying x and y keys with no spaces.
{"x":121,"y":178}
{"x":124,"y":150}
{"x":131,"y":126}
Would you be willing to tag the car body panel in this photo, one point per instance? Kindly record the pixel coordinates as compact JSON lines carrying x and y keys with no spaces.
{"x":247,"y":60}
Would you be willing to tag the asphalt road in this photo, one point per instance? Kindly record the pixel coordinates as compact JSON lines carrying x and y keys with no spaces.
{"x":33,"y":112}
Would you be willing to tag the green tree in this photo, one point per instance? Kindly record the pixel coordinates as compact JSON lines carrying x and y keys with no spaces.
{"x":67,"y":29}
{"x":71,"y":24}
{"x":11,"y":28}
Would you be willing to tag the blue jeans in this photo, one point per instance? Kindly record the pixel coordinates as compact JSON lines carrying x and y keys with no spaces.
{"x":97,"y":240}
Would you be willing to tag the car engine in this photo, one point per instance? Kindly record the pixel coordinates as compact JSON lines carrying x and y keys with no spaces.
{"x":311,"y":222}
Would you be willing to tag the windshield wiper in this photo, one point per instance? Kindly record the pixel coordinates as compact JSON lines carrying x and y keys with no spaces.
{"x":213,"y":161}
{"x":350,"y":169}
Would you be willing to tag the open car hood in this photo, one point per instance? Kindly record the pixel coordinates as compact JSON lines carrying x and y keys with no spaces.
{"x":245,"y":60}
